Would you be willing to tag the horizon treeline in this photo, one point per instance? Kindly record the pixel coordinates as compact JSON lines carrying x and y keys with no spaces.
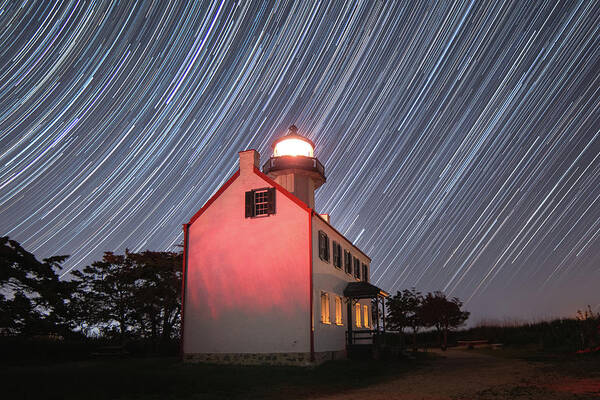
{"x":134,"y":299}
{"x":121,"y":297}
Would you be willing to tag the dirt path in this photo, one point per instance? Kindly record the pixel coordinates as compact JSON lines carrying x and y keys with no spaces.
{"x":467,"y":375}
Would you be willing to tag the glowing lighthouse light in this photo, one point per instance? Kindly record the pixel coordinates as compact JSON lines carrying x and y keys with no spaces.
{"x":293,"y":147}
{"x":293,"y":144}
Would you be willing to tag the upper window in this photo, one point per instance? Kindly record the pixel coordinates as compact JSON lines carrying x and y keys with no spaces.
{"x":260,"y":202}
{"x":347,"y":262}
{"x":356,"y":268}
{"x":365,"y":273}
{"x":323,"y":246}
{"x":325,"y":308}
{"x":337,"y":255}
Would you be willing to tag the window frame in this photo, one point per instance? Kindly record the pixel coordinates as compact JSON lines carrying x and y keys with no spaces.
{"x":324,"y":253}
{"x":366,"y":316}
{"x":337,"y":255}
{"x":339,"y":317}
{"x":267,"y":204}
{"x":357,"y":316}
{"x":347,"y":262}
{"x":325,"y":310}
{"x":365,"y":272}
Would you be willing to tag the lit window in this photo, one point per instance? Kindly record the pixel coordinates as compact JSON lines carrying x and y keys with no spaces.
{"x":338,"y":311}
{"x":366,"y":316}
{"x":323,"y":246}
{"x":337,"y":255}
{"x":357,"y":316}
{"x":325,"y":308}
{"x":260,"y":202}
{"x":356,"y":268}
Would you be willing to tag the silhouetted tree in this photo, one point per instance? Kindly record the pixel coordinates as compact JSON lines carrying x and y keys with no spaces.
{"x":158,"y":292}
{"x":107,"y":288}
{"x":404,"y":311}
{"x":33,"y":300}
{"x":135,"y":294}
{"x":443,"y":314}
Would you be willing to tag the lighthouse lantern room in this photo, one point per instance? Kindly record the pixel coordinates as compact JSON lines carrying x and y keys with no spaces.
{"x":294,"y":166}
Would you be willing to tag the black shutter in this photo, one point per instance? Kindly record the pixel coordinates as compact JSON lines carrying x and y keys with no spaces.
{"x":327,"y":253}
{"x":334,"y":253}
{"x":321,"y":246}
{"x":347,"y":262}
{"x":250,"y":204}
{"x":271,"y":195}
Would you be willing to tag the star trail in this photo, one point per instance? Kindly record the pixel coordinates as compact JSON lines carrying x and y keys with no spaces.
{"x":461,"y":140}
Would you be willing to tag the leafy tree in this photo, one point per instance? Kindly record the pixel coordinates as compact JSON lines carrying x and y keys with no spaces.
{"x":33,"y":300}
{"x":443,"y":314}
{"x":404,"y":311}
{"x":107,"y":288}
{"x":135,"y":294}
{"x":158,"y":294}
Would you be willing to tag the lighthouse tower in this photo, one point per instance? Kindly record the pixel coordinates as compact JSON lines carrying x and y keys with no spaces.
{"x":295,"y":167}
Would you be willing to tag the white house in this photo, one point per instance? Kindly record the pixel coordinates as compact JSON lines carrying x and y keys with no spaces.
{"x":267,"y":279}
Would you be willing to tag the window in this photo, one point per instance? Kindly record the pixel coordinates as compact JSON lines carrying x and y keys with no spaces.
{"x":365,"y":316}
{"x":338,"y":310}
{"x":348,"y":262}
{"x":323,"y":246}
{"x":337,"y":255}
{"x":356,"y":268}
{"x":357,"y":316}
{"x":365,"y":273}
{"x":325,"y":308}
{"x":260,"y":202}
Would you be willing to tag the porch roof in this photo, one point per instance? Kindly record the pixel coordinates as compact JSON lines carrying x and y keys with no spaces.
{"x":363,"y":290}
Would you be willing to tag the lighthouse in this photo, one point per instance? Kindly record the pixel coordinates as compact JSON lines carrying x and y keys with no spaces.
{"x":294,"y":166}
{"x":266,"y":278}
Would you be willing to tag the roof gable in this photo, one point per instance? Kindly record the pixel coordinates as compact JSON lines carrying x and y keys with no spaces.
{"x":214,"y":197}
{"x":264,"y":177}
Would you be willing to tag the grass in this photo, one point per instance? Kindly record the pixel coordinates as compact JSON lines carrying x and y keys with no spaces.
{"x":168,"y":378}
{"x":565,"y":363}
{"x":566,"y":334}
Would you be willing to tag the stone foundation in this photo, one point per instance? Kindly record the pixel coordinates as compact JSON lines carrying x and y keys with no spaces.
{"x":297,"y":359}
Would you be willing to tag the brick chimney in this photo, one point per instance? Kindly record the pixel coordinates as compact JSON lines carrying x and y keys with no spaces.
{"x":248,"y":160}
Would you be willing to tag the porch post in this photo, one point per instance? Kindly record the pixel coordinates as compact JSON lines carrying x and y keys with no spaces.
{"x":377,"y":313}
{"x":349,"y":321}
{"x":383,"y":306}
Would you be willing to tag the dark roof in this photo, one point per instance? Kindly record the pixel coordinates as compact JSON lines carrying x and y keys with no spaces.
{"x":363,"y":290}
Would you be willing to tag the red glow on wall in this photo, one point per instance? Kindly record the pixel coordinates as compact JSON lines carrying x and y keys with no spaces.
{"x":248,"y":277}
{"x":243,"y":278}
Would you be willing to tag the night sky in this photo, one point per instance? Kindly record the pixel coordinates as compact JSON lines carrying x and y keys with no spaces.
{"x":461,"y":141}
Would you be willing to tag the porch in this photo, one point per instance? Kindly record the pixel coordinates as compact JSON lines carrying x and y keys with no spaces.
{"x":365,"y":343}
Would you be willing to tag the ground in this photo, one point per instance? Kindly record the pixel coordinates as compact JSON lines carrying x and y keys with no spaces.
{"x":492,"y":375}
{"x":451,"y":375}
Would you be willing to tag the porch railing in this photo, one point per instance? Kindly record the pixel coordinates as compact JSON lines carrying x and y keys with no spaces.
{"x":364,"y":335}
